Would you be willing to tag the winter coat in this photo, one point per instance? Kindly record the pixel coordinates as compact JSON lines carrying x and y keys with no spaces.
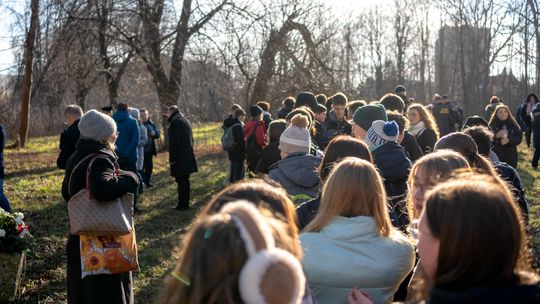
{"x":143,"y":139}
{"x":392,"y":161}
{"x":334,"y":126}
{"x":297,"y":174}
{"x":411,"y":146}
{"x":350,"y":252}
{"x":320,"y":135}
{"x":307,"y":211}
{"x":490,"y":294}
{"x":128,"y":139}
{"x":181,"y":155}
{"x":426,"y":140}
{"x":269,"y":156}
{"x":507,"y":153}
{"x":511,"y":176}
{"x":238,"y":153}
{"x":68,"y":141}
{"x":106,"y":182}
{"x":283,"y":112}
{"x":535,"y":125}
{"x":150,"y":146}
{"x":255,"y":143}
{"x":3,"y":140}
{"x":447,"y":117}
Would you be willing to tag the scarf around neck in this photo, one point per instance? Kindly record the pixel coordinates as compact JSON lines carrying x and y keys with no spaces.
{"x":417,"y":128}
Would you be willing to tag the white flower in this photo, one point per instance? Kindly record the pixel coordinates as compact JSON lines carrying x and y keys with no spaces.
{"x":2,"y":233}
{"x":18,"y":218}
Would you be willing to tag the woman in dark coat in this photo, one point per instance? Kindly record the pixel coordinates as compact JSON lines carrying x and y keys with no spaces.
{"x":507,"y":135}
{"x":423,"y":127}
{"x":106,"y":182}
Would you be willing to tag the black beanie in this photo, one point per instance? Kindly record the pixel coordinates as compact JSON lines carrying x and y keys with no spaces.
{"x":255,"y":111}
{"x":400,"y":88}
{"x":306,"y":99}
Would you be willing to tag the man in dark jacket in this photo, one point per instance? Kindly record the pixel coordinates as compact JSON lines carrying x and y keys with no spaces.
{"x":181,"y":156}
{"x":150,"y":149}
{"x":237,"y":154}
{"x":4,"y":203}
{"x":70,"y":136}
{"x":446,"y":115}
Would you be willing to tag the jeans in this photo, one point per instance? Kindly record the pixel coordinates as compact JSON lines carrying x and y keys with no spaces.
{"x":237,"y":171}
{"x":536,"y":157}
{"x":4,"y":203}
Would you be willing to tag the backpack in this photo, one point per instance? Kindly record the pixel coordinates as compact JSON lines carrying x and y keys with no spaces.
{"x":227,"y":139}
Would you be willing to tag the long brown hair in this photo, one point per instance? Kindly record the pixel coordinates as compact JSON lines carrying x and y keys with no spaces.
{"x":212,"y":258}
{"x":494,"y":120}
{"x":436,"y":166}
{"x":465,"y":145}
{"x":340,"y":147}
{"x":426,"y":117}
{"x":342,"y":195}
{"x":260,"y":193}
{"x":481,"y":233}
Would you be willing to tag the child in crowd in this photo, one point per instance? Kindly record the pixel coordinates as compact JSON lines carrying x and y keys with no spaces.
{"x":351,"y":241}
{"x":271,"y":154}
{"x":320,"y":130}
{"x":405,"y":139}
{"x":336,"y":120}
{"x":422,"y":127}
{"x":296,"y":170}
{"x":507,"y":135}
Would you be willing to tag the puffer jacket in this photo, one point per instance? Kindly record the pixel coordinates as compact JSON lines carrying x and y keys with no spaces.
{"x":296,"y":173}
{"x":349,"y":252}
{"x":394,"y":165}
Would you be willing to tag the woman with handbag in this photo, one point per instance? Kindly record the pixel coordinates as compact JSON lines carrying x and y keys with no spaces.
{"x":105,"y":182}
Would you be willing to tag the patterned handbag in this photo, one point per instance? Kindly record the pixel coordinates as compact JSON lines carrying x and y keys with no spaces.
{"x":91,"y":217}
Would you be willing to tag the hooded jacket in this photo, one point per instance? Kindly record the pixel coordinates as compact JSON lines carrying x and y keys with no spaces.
{"x":350,"y":252}
{"x":296,"y":173}
{"x":128,"y":138}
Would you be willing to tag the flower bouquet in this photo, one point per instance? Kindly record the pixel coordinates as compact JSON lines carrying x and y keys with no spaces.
{"x":15,"y":238}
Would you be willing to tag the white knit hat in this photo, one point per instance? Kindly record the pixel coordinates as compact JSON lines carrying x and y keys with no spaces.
{"x":296,"y":137}
{"x":381,"y":132}
{"x":97,"y":126}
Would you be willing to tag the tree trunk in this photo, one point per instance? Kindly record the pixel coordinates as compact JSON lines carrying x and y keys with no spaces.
{"x":27,"y":80}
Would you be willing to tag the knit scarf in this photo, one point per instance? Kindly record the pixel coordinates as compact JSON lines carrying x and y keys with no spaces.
{"x":417,"y":128}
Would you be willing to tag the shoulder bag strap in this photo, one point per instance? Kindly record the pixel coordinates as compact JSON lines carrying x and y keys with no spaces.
{"x":90,"y":196}
{"x":75,"y":168}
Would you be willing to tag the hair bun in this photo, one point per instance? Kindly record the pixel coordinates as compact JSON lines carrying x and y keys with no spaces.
{"x":300,"y":121}
{"x":391,"y":128}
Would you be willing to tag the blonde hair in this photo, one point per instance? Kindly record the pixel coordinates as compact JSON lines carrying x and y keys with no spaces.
{"x":426,"y":117}
{"x":300,"y":121}
{"x":437,"y":167}
{"x":342,"y":196}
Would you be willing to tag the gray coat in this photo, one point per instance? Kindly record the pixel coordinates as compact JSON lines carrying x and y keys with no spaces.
{"x":297,"y":174}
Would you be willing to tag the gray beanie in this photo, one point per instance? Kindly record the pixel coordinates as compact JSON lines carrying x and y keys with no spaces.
{"x":134,"y":112}
{"x":97,"y":126}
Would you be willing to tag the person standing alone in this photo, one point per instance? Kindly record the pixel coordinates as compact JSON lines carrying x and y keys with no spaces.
{"x":181,"y":156}
{"x":70,"y":136}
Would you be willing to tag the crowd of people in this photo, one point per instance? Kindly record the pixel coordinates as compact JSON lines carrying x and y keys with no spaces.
{"x":335,"y":201}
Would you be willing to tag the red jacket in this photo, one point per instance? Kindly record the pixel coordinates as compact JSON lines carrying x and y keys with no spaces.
{"x":259,"y":128}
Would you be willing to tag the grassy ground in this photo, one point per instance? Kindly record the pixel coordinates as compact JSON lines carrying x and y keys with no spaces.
{"x":33,"y":186}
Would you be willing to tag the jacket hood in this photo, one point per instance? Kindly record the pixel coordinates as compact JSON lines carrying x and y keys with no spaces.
{"x":120,"y":116}
{"x":505,"y":293}
{"x":392,"y":161}
{"x":300,"y":169}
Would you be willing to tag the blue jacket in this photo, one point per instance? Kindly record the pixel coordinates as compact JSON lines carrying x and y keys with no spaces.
{"x":128,"y":139}
{"x":349,"y":252}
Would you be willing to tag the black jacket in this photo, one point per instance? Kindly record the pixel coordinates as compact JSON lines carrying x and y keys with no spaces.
{"x":496,"y":294}
{"x":269,"y":156}
{"x":447,"y":117}
{"x":307,"y":211}
{"x":511,"y":176}
{"x":507,"y":153}
{"x":181,"y":155}
{"x":283,"y":112}
{"x":238,"y":153}
{"x":426,"y":140}
{"x":392,"y":161}
{"x":150,"y":146}
{"x":320,"y":135}
{"x":411,"y":146}
{"x":68,"y":141}
{"x":106,"y":183}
